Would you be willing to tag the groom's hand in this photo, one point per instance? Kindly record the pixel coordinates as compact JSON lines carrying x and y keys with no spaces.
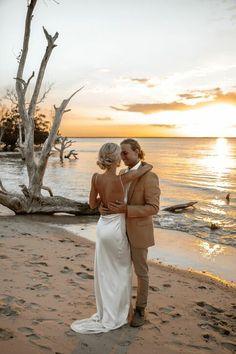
{"x":103,"y":210}
{"x":117,"y":207}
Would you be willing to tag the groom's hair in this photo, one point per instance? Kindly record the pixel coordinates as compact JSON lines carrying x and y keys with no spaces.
{"x":134,"y":146}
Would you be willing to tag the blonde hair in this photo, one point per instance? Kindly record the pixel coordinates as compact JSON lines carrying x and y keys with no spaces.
{"x":108,"y":153}
{"x":134,"y":146}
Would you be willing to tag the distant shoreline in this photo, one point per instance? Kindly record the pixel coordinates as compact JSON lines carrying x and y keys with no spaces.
{"x":151,"y":137}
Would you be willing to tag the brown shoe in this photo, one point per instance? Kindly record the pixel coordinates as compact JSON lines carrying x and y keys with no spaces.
{"x":138,"y":319}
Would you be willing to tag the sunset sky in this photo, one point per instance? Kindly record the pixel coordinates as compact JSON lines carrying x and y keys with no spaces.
{"x":150,"y":68}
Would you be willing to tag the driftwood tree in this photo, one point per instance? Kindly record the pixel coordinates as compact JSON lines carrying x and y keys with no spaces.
{"x":31,"y":200}
{"x":64,"y":143}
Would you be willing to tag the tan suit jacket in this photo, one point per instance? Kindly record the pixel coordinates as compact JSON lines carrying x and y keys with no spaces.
{"x":142,"y":202}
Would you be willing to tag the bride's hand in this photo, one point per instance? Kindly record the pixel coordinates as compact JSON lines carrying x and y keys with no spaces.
{"x":148,"y":166}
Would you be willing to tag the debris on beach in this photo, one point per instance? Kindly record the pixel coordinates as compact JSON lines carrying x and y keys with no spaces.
{"x":214,"y":226}
{"x":176,"y":207}
{"x":228,"y":197}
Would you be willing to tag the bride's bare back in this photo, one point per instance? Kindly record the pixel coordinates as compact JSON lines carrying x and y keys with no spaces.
{"x":108,"y":187}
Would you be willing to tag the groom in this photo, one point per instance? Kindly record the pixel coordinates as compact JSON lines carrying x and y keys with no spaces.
{"x":142,"y":202}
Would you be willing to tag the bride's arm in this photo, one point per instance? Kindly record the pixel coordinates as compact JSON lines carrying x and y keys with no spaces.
{"x":131,"y":175}
{"x":94,"y":200}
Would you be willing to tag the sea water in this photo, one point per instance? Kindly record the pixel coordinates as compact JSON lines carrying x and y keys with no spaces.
{"x":189,"y":169}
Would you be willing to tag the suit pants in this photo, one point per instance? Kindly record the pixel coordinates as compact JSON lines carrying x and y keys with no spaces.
{"x":139,"y":259}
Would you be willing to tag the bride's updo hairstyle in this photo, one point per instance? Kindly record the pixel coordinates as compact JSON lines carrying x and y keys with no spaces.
{"x":108,"y":153}
{"x":134,"y":146}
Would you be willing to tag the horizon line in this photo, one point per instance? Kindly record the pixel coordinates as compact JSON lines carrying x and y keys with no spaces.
{"x":156,"y":137}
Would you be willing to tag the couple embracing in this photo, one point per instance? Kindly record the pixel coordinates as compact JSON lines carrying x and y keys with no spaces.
{"x":124,"y":232}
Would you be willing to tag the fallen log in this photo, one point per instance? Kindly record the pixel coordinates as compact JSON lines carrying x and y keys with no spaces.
{"x":21,"y":204}
{"x":174,"y":208}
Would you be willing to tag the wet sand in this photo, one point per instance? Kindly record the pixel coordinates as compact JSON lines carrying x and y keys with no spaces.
{"x":47,"y":282}
{"x":178,"y":249}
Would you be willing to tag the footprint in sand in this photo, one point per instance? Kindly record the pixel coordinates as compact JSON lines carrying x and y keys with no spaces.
{"x":207,"y":337}
{"x":40,"y":263}
{"x":9,"y":310}
{"x":208,"y":307}
{"x":66,"y":270}
{"x":43,"y":347}
{"x":33,"y":306}
{"x":56,"y":296}
{"x":6,"y":334}
{"x":66,"y":240}
{"x":167,"y":309}
{"x":81,"y":254}
{"x":76,"y":284}
{"x":153,"y":313}
{"x":223,"y":331}
{"x":153,"y":288}
{"x":85,"y":275}
{"x":3,"y":256}
{"x":87,"y":268}
{"x":176,"y":315}
{"x":230,"y":346}
{"x":26,"y":330}
{"x":166,"y":285}
{"x":37,"y":287}
{"x":219,"y":324}
{"x":44,"y":275}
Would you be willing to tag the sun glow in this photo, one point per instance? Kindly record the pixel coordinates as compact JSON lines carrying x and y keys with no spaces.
{"x":212,"y":121}
{"x":218,"y":161}
{"x":210,"y":251}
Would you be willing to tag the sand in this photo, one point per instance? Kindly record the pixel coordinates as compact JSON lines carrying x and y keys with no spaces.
{"x":47,"y":282}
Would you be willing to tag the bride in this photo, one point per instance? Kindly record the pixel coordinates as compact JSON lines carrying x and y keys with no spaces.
{"x":112,"y":264}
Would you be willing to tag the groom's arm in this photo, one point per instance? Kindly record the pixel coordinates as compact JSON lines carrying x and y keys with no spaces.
{"x":151,"y":198}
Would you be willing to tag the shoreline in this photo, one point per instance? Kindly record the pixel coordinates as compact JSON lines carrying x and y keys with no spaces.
{"x":180,"y":250}
{"x":172,"y":248}
{"x":47,"y":282}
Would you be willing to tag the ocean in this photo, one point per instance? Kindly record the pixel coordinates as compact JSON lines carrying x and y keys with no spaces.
{"x":189,"y":169}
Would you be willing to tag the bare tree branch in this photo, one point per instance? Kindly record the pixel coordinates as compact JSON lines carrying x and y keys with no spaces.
{"x":51,"y":40}
{"x":2,"y":188}
{"x":48,"y":189}
{"x":28,"y":81}
{"x":22,"y":60}
{"x":45,"y":94}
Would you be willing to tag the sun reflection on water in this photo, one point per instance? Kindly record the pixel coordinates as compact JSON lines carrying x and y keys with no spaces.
{"x":210,"y":251}
{"x":219,"y":158}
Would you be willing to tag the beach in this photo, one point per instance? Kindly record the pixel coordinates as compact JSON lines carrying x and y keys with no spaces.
{"x":47,"y":282}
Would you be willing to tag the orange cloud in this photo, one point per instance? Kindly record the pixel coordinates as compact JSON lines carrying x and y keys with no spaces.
{"x":208,"y":97}
{"x":144,"y":81}
{"x":148,"y":108}
{"x":168,"y":126}
{"x":104,"y":118}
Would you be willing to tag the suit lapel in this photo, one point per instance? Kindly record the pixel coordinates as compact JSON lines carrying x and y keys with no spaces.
{"x":132,"y":187}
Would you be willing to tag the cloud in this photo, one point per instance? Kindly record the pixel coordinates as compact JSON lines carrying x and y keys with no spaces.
{"x":208,"y":97}
{"x":140,"y":81}
{"x":143,"y":81}
{"x":169,"y":126}
{"x":149,"y":108}
{"x":104,"y":118}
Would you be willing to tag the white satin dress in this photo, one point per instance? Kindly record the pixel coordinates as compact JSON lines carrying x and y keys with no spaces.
{"x":112,"y":277}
